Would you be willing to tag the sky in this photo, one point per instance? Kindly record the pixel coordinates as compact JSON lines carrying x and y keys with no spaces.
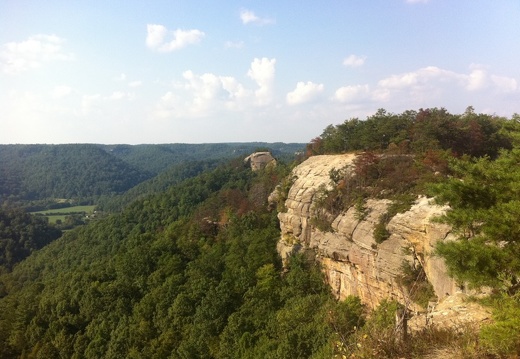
{"x":189,"y":71}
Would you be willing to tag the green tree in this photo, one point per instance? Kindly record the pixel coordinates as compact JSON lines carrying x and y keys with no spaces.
{"x":484,"y":200}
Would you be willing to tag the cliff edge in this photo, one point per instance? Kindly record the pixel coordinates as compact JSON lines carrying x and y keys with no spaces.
{"x":353,"y":262}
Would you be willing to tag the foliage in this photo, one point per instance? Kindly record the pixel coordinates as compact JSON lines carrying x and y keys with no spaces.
{"x":401,"y":154}
{"x":502,"y":337}
{"x":400,"y":203}
{"x":380,"y":232}
{"x":483,"y":198}
{"x":416,"y":132}
{"x":484,"y":210}
{"x":394,"y":177}
{"x":79,"y":171}
{"x":158,"y":158}
{"x":282,"y":191}
{"x":82,"y":173}
{"x":416,"y":284}
{"x":174,"y":175}
{"x":20,"y":235}
{"x":192,"y":272}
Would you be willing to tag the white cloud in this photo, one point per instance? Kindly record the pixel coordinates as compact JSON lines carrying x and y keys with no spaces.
{"x":354,"y":61}
{"x":102,"y":104}
{"x":354,"y":93}
{"x":304,"y":92}
{"x":121,"y":77}
{"x":17,"y":57}
{"x":135,"y":84}
{"x":161,"y":39}
{"x":422,"y":77}
{"x":89,"y":103}
{"x":120,"y":95}
{"x":477,"y":79}
{"x":429,"y":87}
{"x":262,"y":72}
{"x":60,"y":91}
{"x":234,"y":45}
{"x":202,"y":95}
{"x":504,"y":84}
{"x":249,"y":17}
{"x":166,"y":106}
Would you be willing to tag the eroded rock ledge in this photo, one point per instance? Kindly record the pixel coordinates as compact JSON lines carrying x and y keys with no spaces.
{"x":354,"y":264}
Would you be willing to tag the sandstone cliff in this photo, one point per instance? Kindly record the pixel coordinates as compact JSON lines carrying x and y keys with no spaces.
{"x":354,"y":264}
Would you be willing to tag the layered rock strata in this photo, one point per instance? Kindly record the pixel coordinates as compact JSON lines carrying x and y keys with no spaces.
{"x":354,"y":264}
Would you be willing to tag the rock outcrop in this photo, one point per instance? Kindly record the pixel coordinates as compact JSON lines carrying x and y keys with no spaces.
{"x":354,"y":264}
{"x":260,"y":160}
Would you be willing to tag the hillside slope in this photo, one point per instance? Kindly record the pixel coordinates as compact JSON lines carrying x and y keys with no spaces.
{"x":33,"y":172}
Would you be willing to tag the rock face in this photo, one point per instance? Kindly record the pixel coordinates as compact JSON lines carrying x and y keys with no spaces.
{"x":260,"y":160}
{"x":354,"y":264}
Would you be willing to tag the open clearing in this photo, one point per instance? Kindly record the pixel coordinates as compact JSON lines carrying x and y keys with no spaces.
{"x":59,"y":214}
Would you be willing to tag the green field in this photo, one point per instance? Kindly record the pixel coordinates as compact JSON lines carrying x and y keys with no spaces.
{"x":59,"y":214}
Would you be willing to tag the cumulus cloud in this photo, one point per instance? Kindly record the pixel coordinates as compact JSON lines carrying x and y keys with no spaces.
{"x":17,"y":57}
{"x":504,"y":84}
{"x":199,"y":95}
{"x":304,"y":92}
{"x":430,"y":86}
{"x":249,"y":17}
{"x":354,"y":93}
{"x":159,"y":38}
{"x":166,"y":105}
{"x":120,"y":95}
{"x":477,"y":79}
{"x":234,"y":44}
{"x":61,"y":91}
{"x":121,"y":77}
{"x":135,"y":84}
{"x":99,"y":104}
{"x":262,"y":72}
{"x":354,"y":61}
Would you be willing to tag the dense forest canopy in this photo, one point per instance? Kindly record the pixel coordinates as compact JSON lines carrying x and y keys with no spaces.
{"x":186,"y":265}
{"x":157,"y":158}
{"x":85,"y":172}
{"x":33,"y":172}
{"x":190,"y":273}
{"x":20,"y":235}
{"x":417,"y":131}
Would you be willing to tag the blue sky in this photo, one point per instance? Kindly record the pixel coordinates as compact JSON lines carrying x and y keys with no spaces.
{"x":236,"y":71}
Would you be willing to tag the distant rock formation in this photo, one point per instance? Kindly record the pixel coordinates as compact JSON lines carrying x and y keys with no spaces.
{"x":260,"y":160}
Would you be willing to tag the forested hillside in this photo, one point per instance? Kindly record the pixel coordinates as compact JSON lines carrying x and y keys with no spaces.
{"x":169,"y":177}
{"x":78,"y":172}
{"x":20,"y":235}
{"x":190,"y":273}
{"x":188,"y":267}
{"x":157,"y":158}
{"x":41,"y":175}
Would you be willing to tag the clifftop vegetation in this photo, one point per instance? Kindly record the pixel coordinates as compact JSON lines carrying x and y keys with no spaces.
{"x":470,"y":162}
{"x":420,"y":132}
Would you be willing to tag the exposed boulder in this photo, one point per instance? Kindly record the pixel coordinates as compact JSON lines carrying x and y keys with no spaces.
{"x":260,"y":160}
